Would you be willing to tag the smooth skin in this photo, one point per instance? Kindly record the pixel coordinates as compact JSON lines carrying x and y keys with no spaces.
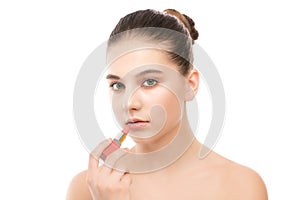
{"x":211,"y":178}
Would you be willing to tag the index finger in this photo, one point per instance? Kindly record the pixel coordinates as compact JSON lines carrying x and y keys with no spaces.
{"x":95,"y":155}
{"x":93,"y":164}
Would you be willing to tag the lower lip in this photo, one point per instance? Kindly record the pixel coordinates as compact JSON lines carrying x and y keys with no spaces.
{"x":138,"y":125}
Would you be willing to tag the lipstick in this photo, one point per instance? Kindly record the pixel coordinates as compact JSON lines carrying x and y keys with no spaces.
{"x":115,"y":144}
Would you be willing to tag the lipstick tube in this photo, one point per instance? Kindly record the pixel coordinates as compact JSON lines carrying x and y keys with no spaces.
{"x":115,"y":144}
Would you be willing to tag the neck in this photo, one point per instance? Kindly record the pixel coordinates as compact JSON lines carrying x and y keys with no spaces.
{"x":190,"y":156}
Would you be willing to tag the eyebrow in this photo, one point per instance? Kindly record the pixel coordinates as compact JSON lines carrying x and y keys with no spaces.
{"x":148,"y":71}
{"x":112,"y":76}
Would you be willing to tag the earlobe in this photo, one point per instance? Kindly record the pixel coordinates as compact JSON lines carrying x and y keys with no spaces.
{"x":192,"y":85}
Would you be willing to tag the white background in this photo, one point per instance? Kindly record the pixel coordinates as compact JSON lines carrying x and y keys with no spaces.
{"x":254,"y":44}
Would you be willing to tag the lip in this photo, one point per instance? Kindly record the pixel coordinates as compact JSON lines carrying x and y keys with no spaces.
{"x":137,"y":123}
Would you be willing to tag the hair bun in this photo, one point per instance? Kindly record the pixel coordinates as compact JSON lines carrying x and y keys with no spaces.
{"x":186,"y":20}
{"x":193,"y":31}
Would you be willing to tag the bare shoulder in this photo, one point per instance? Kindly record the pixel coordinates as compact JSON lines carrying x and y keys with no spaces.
{"x":245,"y":183}
{"x":78,"y":188}
{"x":242,"y":182}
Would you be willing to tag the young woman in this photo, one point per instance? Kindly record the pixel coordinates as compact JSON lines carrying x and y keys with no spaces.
{"x":151,"y":77}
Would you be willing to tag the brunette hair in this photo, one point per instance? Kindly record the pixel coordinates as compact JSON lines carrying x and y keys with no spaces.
{"x":170,"y":20}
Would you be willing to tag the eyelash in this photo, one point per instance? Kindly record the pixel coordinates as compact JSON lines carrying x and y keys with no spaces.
{"x":143,"y":84}
{"x":150,"y":79}
{"x":114,"y":83}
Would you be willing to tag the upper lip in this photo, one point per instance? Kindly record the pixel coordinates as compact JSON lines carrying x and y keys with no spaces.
{"x":134,"y":120}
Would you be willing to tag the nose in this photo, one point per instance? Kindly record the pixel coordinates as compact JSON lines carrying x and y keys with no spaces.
{"x":134,"y":102}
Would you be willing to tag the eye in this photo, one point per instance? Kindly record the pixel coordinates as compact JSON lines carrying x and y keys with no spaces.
{"x":149,"y":83}
{"x":117,"y":86}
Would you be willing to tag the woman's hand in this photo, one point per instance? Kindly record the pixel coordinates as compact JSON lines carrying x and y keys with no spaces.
{"x":106,"y":183}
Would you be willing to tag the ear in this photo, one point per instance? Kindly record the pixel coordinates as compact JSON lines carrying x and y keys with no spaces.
{"x":192,"y":85}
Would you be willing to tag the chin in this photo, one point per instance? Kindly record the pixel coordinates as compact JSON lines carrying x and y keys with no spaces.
{"x":145,"y":141}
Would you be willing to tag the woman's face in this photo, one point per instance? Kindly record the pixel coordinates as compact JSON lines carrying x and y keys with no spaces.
{"x":147,"y":94}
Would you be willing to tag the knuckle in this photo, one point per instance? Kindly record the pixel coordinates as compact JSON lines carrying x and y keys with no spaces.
{"x":89,"y":180}
{"x":99,"y":187}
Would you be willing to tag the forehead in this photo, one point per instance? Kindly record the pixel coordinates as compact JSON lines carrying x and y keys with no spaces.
{"x":138,"y":58}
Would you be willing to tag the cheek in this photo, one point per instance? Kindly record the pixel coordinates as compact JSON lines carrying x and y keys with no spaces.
{"x":173,"y":108}
{"x":167,"y":100}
